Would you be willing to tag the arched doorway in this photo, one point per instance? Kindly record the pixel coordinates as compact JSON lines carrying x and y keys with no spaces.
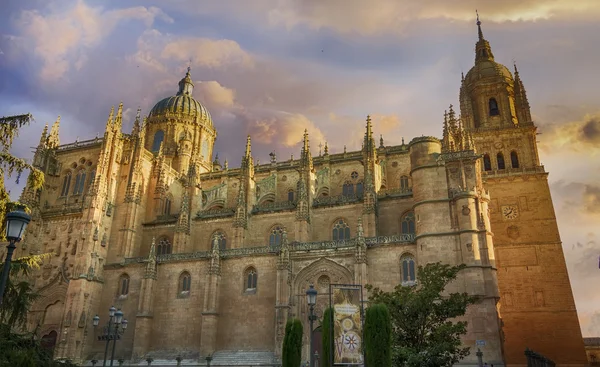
{"x":318,"y":343}
{"x":49,"y":341}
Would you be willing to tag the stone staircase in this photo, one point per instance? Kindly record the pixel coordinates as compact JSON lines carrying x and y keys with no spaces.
{"x":231,"y":358}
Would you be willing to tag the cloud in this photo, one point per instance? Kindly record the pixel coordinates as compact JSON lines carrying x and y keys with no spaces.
{"x":61,"y":38}
{"x":207,"y":52}
{"x":578,"y":136}
{"x":214,"y":94}
{"x":591,"y":199}
{"x":389,"y":16}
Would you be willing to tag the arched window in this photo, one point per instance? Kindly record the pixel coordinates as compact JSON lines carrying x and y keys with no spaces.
{"x":359,"y":188}
{"x":291,"y":195}
{"x":487,"y":162}
{"x":494,"y":111}
{"x":66,"y":184}
{"x":124,"y":285}
{"x":159,"y":136}
{"x":250,"y":280}
{"x":348,"y":189}
{"x":276,"y":236}
{"x":221,"y":240}
{"x":164,"y":247}
{"x":341,"y":231}
{"x":185,"y":284}
{"x":514,"y":159}
{"x":407,"y":224}
{"x":500,"y":159}
{"x":404,"y":183}
{"x":407,"y":263}
{"x":167,"y":208}
{"x":79,"y":183}
{"x":92,"y":177}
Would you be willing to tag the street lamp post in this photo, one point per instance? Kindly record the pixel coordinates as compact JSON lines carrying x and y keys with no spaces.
{"x":311,"y":298}
{"x":111,"y":331}
{"x":16,"y":222}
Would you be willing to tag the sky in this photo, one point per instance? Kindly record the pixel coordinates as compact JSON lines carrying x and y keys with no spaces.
{"x":272,"y":68}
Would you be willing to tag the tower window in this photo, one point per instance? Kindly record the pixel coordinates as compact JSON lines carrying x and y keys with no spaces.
{"x":408,"y":270}
{"x":79,"y":183}
{"x":487,"y":163}
{"x":276,"y":236}
{"x":493,"y":104}
{"x":500,"y":159}
{"x":250,"y":280}
{"x":124,"y":285}
{"x":359,"y":189}
{"x":159,"y":136}
{"x":404,"y":183}
{"x":185,"y":284}
{"x":291,"y":195}
{"x":348,"y":189}
{"x":66,"y":184}
{"x":164,"y":247}
{"x":407,"y":224}
{"x":341,"y":231}
{"x":514,"y":159}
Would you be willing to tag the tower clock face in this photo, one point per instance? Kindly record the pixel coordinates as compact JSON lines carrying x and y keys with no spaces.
{"x":510,"y":212}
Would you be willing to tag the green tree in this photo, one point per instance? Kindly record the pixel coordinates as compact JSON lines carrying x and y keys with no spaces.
{"x":292,"y":344}
{"x":425,"y":332}
{"x":378,"y":336}
{"x":11,"y":165}
{"x":325,"y":360}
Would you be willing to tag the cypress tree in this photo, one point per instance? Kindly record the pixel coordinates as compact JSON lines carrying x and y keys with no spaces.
{"x":378,"y":336}
{"x":325,"y":360}
{"x":292,"y":344}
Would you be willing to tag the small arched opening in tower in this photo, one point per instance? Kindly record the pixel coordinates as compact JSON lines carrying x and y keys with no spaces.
{"x":493,"y":105}
{"x":514,"y":159}
{"x":500,"y":159}
{"x":487,"y":163}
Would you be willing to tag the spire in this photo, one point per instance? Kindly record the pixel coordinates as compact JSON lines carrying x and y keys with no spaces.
{"x":111,"y":117}
{"x":248,"y":153}
{"x":326,"y":151}
{"x":381,"y":141}
{"x":53,"y":140}
{"x":186,"y":86}
{"x":305,"y":156}
{"x":483,"y":50}
{"x":521,"y":101}
{"x":136,"y":124}
{"x":44,"y":137}
{"x":479,"y":26}
{"x":369,"y":143}
{"x":119,"y":118}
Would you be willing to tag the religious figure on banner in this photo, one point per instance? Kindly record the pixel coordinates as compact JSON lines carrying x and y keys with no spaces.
{"x":347,"y":328}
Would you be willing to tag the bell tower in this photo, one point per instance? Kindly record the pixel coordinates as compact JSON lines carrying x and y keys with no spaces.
{"x":536,"y":301}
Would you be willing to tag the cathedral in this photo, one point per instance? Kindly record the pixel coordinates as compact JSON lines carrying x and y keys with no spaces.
{"x":204,"y":259}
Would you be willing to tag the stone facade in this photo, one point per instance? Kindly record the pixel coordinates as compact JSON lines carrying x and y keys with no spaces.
{"x":204,"y":258}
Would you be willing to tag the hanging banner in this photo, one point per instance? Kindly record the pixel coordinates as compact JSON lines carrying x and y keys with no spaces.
{"x":346,"y":301}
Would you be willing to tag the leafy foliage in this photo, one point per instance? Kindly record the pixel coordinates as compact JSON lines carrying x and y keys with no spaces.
{"x":19,"y":294}
{"x":292,"y":344}
{"x":24,"y":350}
{"x":378,"y":336}
{"x":325,"y":360}
{"x":10,"y":165}
{"x":425,"y":332}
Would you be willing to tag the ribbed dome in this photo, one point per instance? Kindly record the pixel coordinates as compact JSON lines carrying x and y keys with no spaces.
{"x":485,"y":69}
{"x":182,"y":103}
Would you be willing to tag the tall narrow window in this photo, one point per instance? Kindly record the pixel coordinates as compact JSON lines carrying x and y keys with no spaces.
{"x":185,"y":284}
{"x":220,"y":239}
{"x":276,"y":236}
{"x":500,"y":159}
{"x":408,"y":270}
{"x":291,"y":195}
{"x":359,"y":189}
{"x":167,"y":209}
{"x":124,"y":285}
{"x":493,"y":104}
{"x":164,"y":247}
{"x":92,"y":177}
{"x":250,"y":280}
{"x":487,"y":162}
{"x":66,"y":184}
{"x":407,"y":224}
{"x":514,"y":159}
{"x":79,"y":183}
{"x":404,"y":183}
{"x":348,"y":189}
{"x":340,"y":231}
{"x":158,"y":139}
